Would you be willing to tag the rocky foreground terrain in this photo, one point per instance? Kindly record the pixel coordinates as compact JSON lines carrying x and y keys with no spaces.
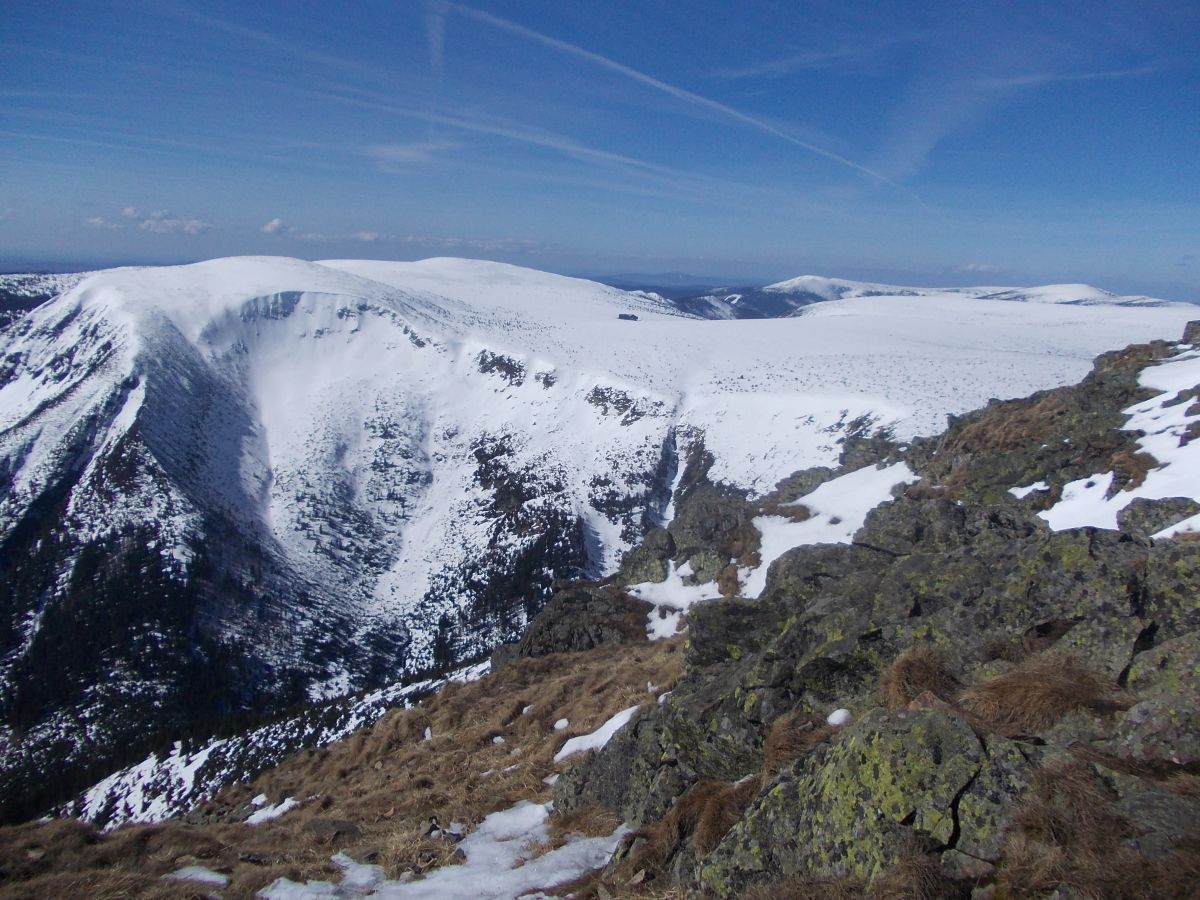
{"x":972,"y":697}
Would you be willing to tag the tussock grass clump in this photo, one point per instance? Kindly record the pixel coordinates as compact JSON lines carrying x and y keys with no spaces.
{"x":916,"y":875}
{"x":589,"y":821}
{"x":794,"y":512}
{"x":918,"y":670}
{"x":1037,"y":693}
{"x":792,"y":736}
{"x":1129,"y":469}
{"x":1011,"y":425}
{"x":1066,"y":839}
{"x":1005,"y":649}
{"x":705,"y":813}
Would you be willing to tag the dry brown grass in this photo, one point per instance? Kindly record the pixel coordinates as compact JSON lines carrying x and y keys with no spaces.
{"x":1011,"y":425}
{"x":794,"y":512}
{"x":917,"y":875}
{"x":1037,"y":694}
{"x":1036,"y":639}
{"x":705,"y":813}
{"x":367,"y":795}
{"x":918,"y":670}
{"x":1130,"y":468}
{"x":1005,"y":649}
{"x":1065,"y":838}
{"x":1187,"y":537}
{"x":792,"y":736}
{"x":589,"y":821}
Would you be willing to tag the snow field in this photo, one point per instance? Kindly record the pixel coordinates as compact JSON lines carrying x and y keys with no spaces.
{"x":1164,"y":424}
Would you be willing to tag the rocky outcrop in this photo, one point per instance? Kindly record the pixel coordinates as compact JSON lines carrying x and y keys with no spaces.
{"x":581,"y":616}
{"x":1068,"y":661}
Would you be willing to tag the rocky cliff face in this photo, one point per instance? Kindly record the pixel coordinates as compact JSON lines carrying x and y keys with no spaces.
{"x":1022,"y":701}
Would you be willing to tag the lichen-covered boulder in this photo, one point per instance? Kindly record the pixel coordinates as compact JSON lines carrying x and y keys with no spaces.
{"x":799,"y":484}
{"x":852,"y":807}
{"x":580,"y":617}
{"x":1164,"y":726}
{"x":1143,"y":518}
{"x":713,"y":519}
{"x":648,"y":561}
{"x":1172,"y":589}
{"x":639,"y":773}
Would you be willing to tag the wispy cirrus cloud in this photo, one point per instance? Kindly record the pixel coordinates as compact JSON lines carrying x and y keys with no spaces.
{"x":778,"y":68}
{"x":435,"y":35}
{"x":520,"y":133}
{"x":836,"y":52}
{"x":685,"y":96}
{"x":1037,"y":79}
{"x":278,"y":228}
{"x":162,"y":221}
{"x":392,"y":157}
{"x":989,"y":56}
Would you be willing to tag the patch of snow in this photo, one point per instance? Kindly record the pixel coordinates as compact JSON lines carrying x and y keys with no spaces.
{"x":1163,"y":424}
{"x":1189,"y":525}
{"x":838,"y":509}
{"x":267,"y":813}
{"x":500,"y":864}
{"x":839,"y":717}
{"x":598,"y":738}
{"x":671,"y":599}
{"x":198,"y":874}
{"x":562,"y":725}
{"x":1022,"y":492}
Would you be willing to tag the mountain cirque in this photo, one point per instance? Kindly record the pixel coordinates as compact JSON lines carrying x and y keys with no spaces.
{"x":958,"y":700}
{"x":255,"y":482}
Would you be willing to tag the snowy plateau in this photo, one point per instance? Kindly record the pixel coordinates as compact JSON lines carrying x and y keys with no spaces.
{"x":242,"y":484}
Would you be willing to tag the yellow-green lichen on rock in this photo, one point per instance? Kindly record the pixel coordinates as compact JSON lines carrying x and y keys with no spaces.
{"x":847,"y":809}
{"x":1164,"y":727}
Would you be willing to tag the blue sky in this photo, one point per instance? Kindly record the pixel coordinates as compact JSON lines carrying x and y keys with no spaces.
{"x":925,"y":143}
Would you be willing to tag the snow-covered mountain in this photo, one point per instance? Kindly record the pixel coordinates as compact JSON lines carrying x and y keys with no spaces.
{"x":791,"y":297}
{"x":22,"y":292}
{"x":239,"y":484}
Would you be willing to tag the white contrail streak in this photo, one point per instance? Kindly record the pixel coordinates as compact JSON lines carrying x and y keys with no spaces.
{"x":670,"y":89}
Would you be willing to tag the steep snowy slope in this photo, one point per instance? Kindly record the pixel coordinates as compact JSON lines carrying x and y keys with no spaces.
{"x":253,"y":480}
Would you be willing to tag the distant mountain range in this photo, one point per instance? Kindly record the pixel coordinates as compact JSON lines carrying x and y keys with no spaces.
{"x":786,"y":298}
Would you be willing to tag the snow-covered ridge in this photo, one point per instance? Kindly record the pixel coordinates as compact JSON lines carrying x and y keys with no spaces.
{"x":1070,"y":294}
{"x":837,"y":288}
